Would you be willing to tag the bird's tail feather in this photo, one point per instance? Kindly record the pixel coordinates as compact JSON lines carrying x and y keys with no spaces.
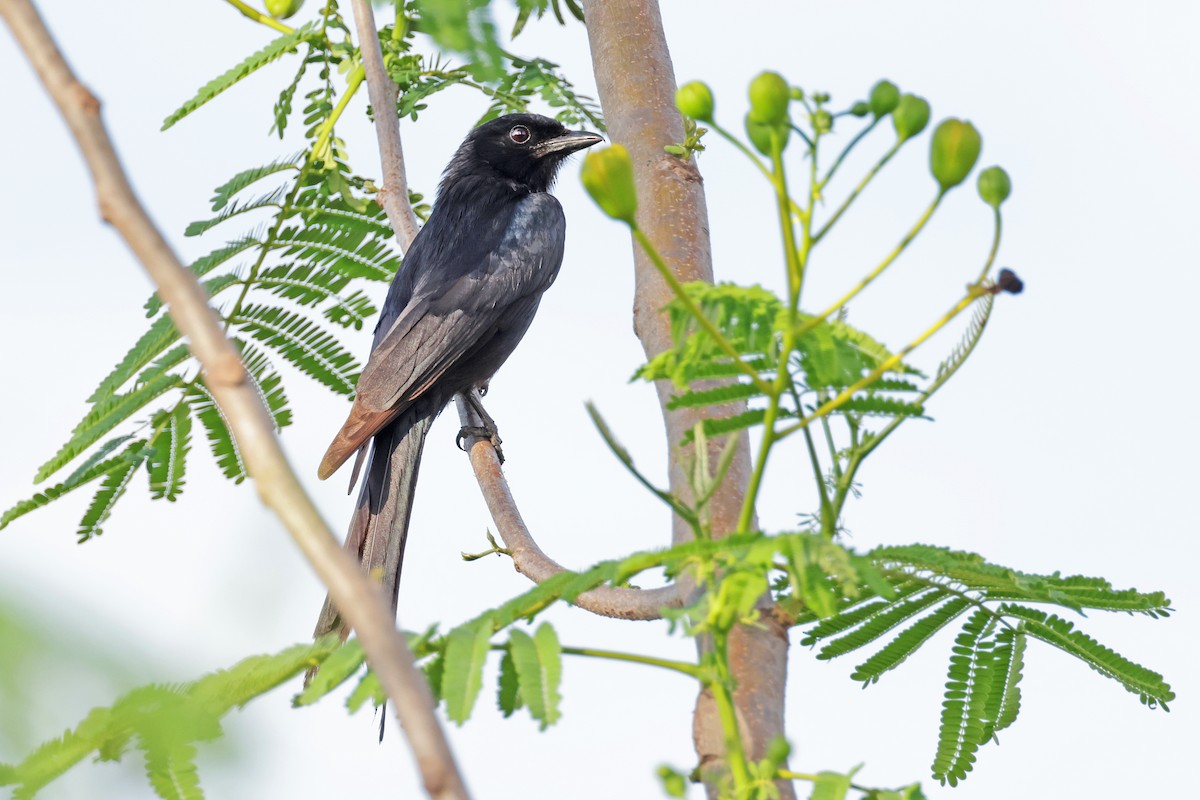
{"x":379,"y":527}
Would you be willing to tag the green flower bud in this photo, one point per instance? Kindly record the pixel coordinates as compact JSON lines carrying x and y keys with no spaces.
{"x":994,"y":186}
{"x":797,"y":93}
{"x":821,"y":97}
{"x":822,"y":121}
{"x":769,"y":97}
{"x":778,"y":750}
{"x":910,"y":116}
{"x":884,"y":97}
{"x":282,"y":9}
{"x":760,"y":134}
{"x":953,"y":152}
{"x":860,"y":109}
{"x":608,"y":177}
{"x":695,"y":100}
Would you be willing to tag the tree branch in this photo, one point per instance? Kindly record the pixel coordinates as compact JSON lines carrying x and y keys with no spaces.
{"x":393,"y":195}
{"x":636,"y":84}
{"x":359,"y":598}
{"x":530,"y":560}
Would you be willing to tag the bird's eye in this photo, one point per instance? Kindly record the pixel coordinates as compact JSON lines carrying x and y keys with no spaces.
{"x":519,"y":134}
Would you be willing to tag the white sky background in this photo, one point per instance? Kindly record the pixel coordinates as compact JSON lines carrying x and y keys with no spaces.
{"x":1057,"y":447}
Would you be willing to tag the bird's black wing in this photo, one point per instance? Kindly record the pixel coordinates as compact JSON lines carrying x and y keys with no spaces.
{"x":446,"y":320}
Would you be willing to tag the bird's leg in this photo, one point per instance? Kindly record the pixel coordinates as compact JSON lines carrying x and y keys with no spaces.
{"x":487,"y":430}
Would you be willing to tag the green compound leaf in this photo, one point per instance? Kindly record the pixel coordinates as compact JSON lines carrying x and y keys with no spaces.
{"x":170,"y":445}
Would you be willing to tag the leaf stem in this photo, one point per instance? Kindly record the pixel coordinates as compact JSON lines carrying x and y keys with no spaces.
{"x":260,"y":17}
{"x":857,"y":190}
{"x":735,"y":751}
{"x":683,"y":667}
{"x":326,"y":130}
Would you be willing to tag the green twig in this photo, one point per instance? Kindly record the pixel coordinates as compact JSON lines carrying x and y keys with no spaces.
{"x":857,"y":191}
{"x":846,"y":151}
{"x":260,"y":17}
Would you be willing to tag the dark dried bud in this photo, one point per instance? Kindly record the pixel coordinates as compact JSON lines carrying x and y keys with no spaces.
{"x":1007,"y":281}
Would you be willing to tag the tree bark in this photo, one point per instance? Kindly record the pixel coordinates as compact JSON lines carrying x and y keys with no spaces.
{"x":636,"y":84}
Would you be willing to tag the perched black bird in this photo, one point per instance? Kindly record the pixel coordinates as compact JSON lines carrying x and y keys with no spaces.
{"x":465,"y":295}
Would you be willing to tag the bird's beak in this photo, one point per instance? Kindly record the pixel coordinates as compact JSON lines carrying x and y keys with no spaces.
{"x":568,"y":143}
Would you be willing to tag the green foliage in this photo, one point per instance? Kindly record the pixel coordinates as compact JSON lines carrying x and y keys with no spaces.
{"x":537,"y":662}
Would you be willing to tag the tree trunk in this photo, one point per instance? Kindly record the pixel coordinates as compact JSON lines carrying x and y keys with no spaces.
{"x":636,"y":83}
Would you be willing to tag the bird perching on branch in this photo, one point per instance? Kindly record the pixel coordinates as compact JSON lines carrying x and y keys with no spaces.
{"x":463,"y":298}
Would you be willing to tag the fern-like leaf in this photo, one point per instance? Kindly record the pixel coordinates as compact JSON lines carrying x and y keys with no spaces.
{"x":161,"y":335}
{"x":717,"y":396}
{"x":508,"y":691}
{"x":235,"y":208}
{"x":302,"y":342}
{"x":1148,"y":685}
{"x":115,"y":482}
{"x":340,"y":248}
{"x":335,"y":670}
{"x":224,"y":193}
{"x":963,"y":725}
{"x":880,"y":623}
{"x":206,"y":264}
{"x":308,"y":285}
{"x":267,"y":382}
{"x":95,"y":467}
{"x":170,"y":448}
{"x":1004,"y":702}
{"x":281,"y":46}
{"x":221,"y":442}
{"x":103,"y":417}
{"x":908,"y":641}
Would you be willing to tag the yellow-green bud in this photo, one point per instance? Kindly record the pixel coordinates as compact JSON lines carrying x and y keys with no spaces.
{"x":608,"y":177}
{"x":695,"y":100}
{"x":760,"y":134}
{"x":994,"y":186}
{"x":910,"y":116}
{"x":822,"y":121}
{"x":769,"y":97}
{"x":282,"y":9}
{"x":884,"y":97}
{"x":953,"y":152}
{"x":860,"y":109}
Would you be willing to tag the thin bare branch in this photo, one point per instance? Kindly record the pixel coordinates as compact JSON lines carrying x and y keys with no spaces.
{"x":531,"y":561}
{"x":393,"y":195}
{"x":359,"y":598}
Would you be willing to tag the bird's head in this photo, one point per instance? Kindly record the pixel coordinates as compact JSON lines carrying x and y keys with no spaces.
{"x":526,"y":149}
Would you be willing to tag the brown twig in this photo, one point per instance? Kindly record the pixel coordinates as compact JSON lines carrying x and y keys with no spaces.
{"x":533,"y":563}
{"x":360,"y":599}
{"x":393,"y":195}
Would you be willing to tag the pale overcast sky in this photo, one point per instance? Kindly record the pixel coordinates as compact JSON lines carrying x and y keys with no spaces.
{"x":1056,"y":448}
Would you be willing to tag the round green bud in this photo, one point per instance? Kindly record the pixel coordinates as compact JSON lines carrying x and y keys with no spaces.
{"x":910,"y":116}
{"x":822,"y":121}
{"x":797,"y":93}
{"x":860,"y":109}
{"x":821,"y":97}
{"x":884,"y":97}
{"x":282,"y":9}
{"x":953,"y":152}
{"x":778,"y":750}
{"x":994,"y":186}
{"x":608,"y":177}
{"x":769,"y":97}
{"x":761,"y":133}
{"x":695,"y":100}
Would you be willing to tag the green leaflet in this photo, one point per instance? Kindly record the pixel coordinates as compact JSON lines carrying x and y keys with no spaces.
{"x":315,"y":352}
{"x":369,"y":688}
{"x":537,"y":660}
{"x":224,"y":193}
{"x":466,"y":651}
{"x":103,"y":417}
{"x":964,"y":727}
{"x":224,"y":447}
{"x":908,"y":641}
{"x":271,"y":199}
{"x":1004,"y":701}
{"x":161,"y":335}
{"x":335,"y":670}
{"x":267,"y":383}
{"x":276,"y":49}
{"x":115,"y":482}
{"x":880,"y":623}
{"x":169,"y":459}
{"x":96,"y":466}
{"x":1148,"y":685}
{"x":308,"y":285}
{"x":508,"y":690}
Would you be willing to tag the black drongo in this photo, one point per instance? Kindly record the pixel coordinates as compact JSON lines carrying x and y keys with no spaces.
{"x":465,"y":295}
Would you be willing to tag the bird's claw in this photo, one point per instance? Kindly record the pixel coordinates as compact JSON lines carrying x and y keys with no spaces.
{"x":468,"y":431}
